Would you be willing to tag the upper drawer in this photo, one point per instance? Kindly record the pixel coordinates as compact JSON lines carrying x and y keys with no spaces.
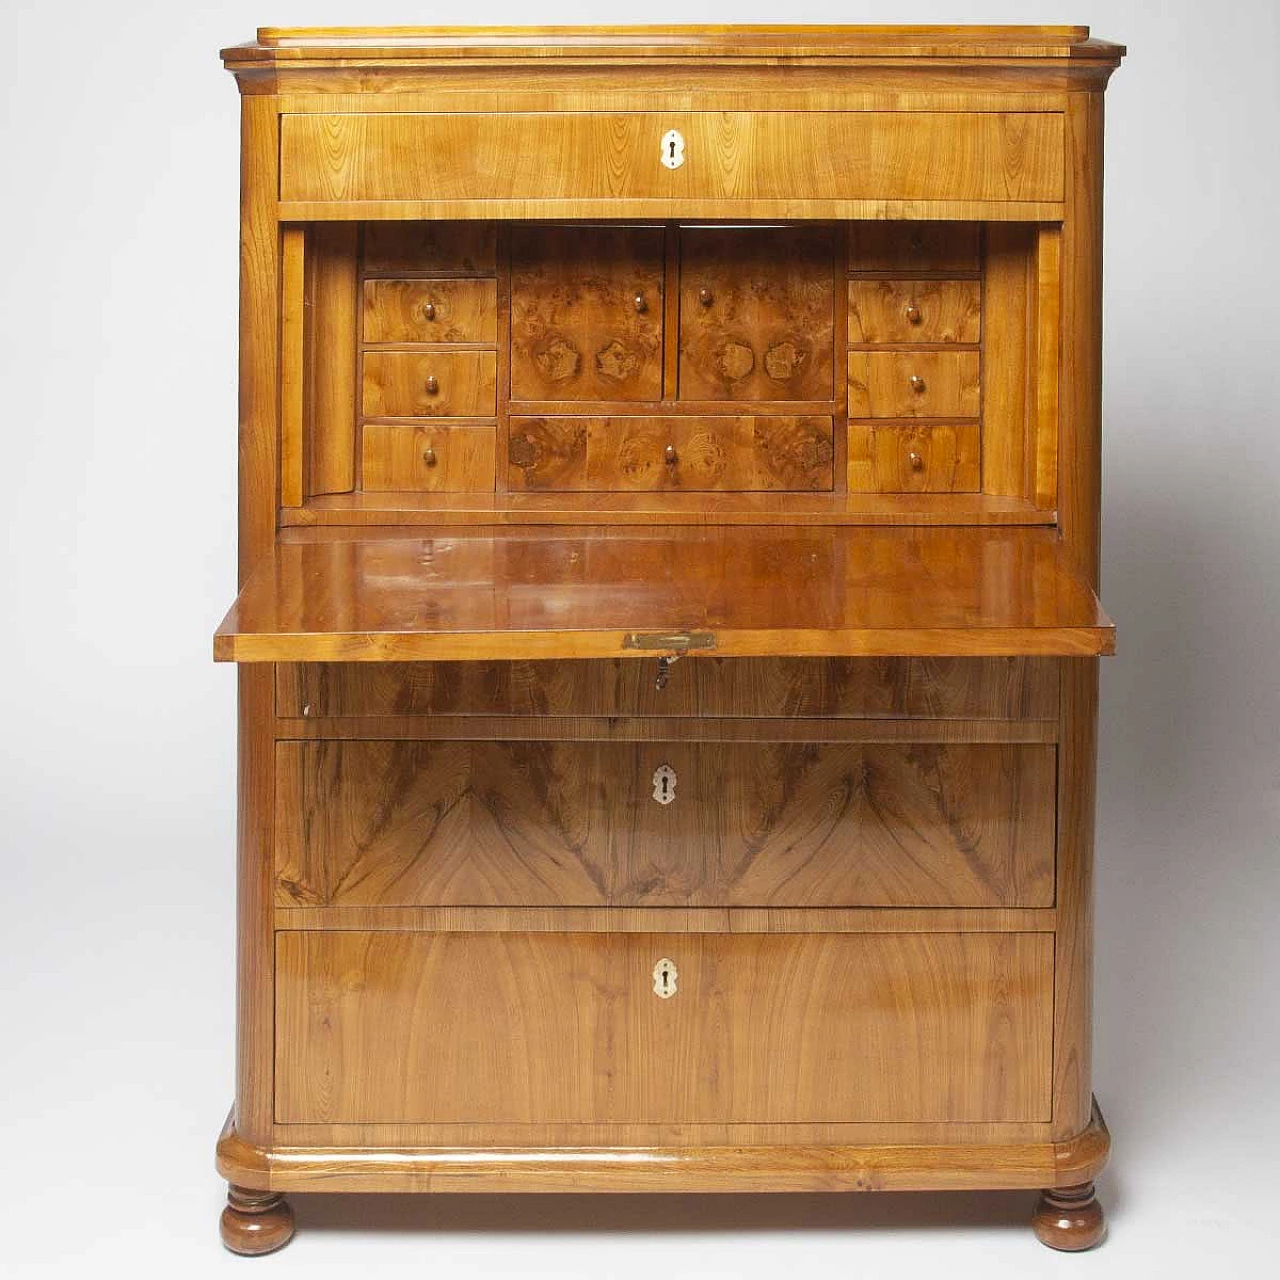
{"x":430,"y":383}
{"x":734,"y":156}
{"x":430,"y":310}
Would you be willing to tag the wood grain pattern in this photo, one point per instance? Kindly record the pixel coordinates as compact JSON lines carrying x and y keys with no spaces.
{"x":586,"y":313}
{"x":334,"y":344}
{"x":915,"y":457}
{"x":733,"y":157}
{"x":908,"y":384}
{"x":915,"y":311}
{"x":427,"y":310}
{"x":430,"y":246}
{"x":756,"y":314}
{"x":947,"y":247}
{"x":751,"y":824}
{"x":676,"y":453}
{"x":434,"y":457}
{"x":584,"y":1034}
{"x":833,"y":688}
{"x":400,"y":384}
{"x":293,"y":364}
{"x":763,"y":593}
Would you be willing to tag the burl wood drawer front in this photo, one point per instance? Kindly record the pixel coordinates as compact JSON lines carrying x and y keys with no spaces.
{"x":915,"y":246}
{"x":527,"y":1028}
{"x":452,"y":457}
{"x":910,"y":311}
{"x":908,"y":384}
{"x":467,"y":248}
{"x":586,"y":313}
{"x":756,"y":313}
{"x":413,"y":384}
{"x":944,"y":688}
{"x":729,"y":155}
{"x":547,"y":823}
{"x":439,"y":310}
{"x":691,"y":454}
{"x":895,"y":458}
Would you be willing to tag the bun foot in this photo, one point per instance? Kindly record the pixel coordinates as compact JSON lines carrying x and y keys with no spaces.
{"x":256,"y":1222}
{"x":1069,"y":1218}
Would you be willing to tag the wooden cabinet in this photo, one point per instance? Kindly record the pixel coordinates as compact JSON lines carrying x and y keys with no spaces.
{"x":667,"y":623}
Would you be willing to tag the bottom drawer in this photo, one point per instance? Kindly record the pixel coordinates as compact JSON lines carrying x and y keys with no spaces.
{"x":764,"y":1028}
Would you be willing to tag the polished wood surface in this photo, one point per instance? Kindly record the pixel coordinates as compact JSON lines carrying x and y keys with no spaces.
{"x":750,"y":824}
{"x":736,"y":158}
{"x":691,"y":454}
{"x":954,"y":689}
{"x":756,"y":314}
{"x":759,"y":592}
{"x":585,"y":1034}
{"x":586,"y":313}
{"x":812,"y":408}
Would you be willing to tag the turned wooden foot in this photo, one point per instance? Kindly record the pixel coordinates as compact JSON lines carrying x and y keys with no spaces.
{"x":256,"y":1222}
{"x":1069,"y":1218}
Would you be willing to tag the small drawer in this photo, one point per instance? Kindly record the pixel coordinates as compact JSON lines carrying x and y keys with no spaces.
{"x":915,"y":246}
{"x":467,"y":248}
{"x":448,"y":310}
{"x":893,"y":458}
{"x":674,"y":1028}
{"x":453,"y":457}
{"x":415,"y":384}
{"x":914,"y":384}
{"x":671,"y":454}
{"x":915,"y":311}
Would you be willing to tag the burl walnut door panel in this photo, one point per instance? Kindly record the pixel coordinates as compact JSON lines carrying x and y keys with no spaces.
{"x":550,"y":823}
{"x":756,"y":313}
{"x":546,"y":1027}
{"x":586,"y":313}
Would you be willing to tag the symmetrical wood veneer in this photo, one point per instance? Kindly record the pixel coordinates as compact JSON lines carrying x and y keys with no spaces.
{"x":667,"y":627}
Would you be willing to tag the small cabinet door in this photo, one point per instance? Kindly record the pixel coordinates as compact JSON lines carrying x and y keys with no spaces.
{"x":756,"y":313}
{"x":586,"y":313}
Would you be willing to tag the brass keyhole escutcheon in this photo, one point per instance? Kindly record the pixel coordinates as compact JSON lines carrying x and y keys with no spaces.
{"x":665,"y":978}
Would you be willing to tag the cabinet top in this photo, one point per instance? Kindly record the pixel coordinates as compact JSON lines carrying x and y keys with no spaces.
{"x":741,"y":43}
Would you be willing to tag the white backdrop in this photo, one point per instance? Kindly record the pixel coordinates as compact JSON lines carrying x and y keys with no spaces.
{"x":116,"y":792}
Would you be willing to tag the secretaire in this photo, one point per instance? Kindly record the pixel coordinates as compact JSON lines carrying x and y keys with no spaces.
{"x":669,"y":493}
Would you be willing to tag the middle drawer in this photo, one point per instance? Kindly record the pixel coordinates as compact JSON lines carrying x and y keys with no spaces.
{"x":507,"y":823}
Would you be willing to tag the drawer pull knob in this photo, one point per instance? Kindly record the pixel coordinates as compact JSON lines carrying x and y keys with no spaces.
{"x":641,"y":305}
{"x":917,"y":462}
{"x":428,"y":310}
{"x":670,"y":454}
{"x":912,"y":313}
{"x":665,"y":977}
{"x":433,"y":385}
{"x":429,"y":456}
{"x":916,"y":242}
{"x":705,"y":297}
{"x":664,"y":784}
{"x":917,"y":384}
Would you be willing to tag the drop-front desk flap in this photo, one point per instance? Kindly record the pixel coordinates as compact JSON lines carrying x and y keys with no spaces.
{"x":330,"y":595}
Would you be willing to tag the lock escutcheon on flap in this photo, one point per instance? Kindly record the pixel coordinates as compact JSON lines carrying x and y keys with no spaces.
{"x":665,"y":977}
{"x":673,"y":148}
{"x":664,"y":784}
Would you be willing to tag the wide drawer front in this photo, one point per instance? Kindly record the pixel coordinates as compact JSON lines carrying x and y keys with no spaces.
{"x":546,"y":1027}
{"x":669,"y":453}
{"x":944,"y":688}
{"x":865,"y":155}
{"x":600,"y":823}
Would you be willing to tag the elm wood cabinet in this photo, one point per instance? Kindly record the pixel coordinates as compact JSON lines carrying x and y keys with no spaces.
{"x":667,"y":629}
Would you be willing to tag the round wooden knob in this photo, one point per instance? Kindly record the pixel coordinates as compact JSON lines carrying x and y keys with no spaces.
{"x":705,"y":297}
{"x":429,"y":456}
{"x":433,"y":385}
{"x":428,"y":310}
{"x":641,"y":305}
{"x":670,"y":454}
{"x":912,"y":312}
{"x":917,"y":462}
{"x":917,"y":384}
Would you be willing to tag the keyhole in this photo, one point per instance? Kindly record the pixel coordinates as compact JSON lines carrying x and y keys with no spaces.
{"x":671,"y":145}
